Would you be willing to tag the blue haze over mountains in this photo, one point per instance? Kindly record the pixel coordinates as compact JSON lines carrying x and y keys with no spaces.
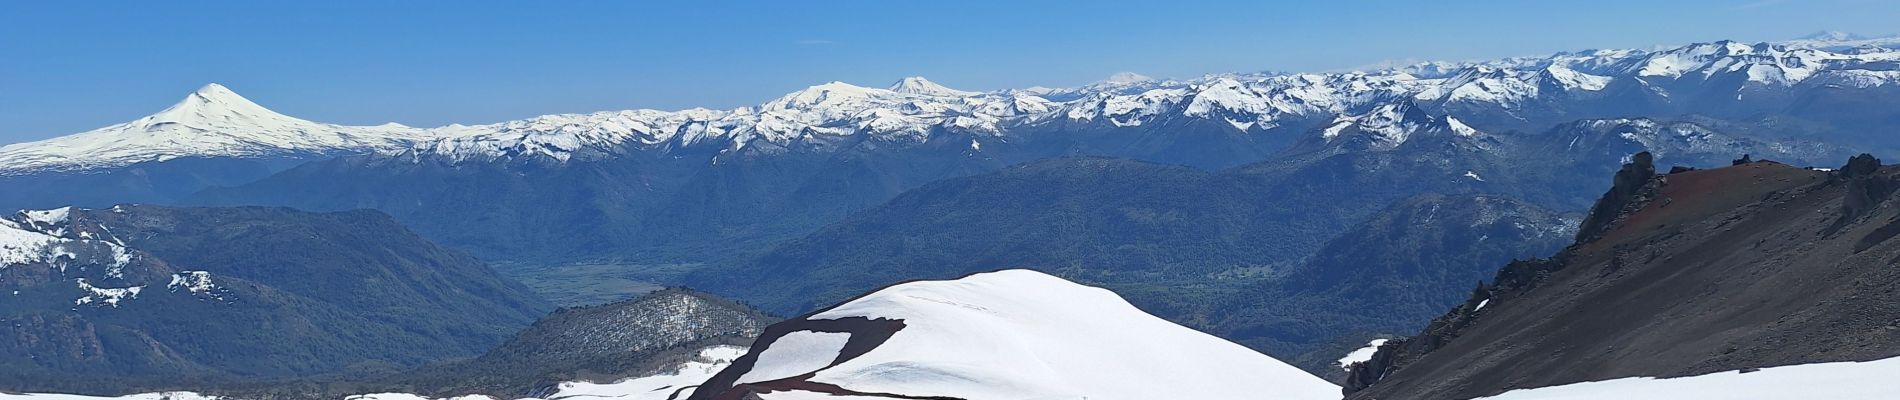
{"x":1193,"y":198}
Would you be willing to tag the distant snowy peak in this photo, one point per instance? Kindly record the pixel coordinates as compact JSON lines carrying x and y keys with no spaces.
{"x":210,"y":122}
{"x":1013,"y":334}
{"x":1389,"y":125}
{"x":211,"y":105}
{"x":1848,"y":43}
{"x":917,"y":85}
{"x":1126,"y":78}
{"x":1766,"y":64}
{"x":1833,"y":36}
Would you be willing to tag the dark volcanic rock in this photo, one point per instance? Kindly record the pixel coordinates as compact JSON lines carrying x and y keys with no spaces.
{"x":1866,"y":189}
{"x":866,"y":334}
{"x":1730,"y":268}
{"x":1625,"y":189}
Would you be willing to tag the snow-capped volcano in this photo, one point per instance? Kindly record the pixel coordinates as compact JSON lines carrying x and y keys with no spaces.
{"x":1014,"y":334}
{"x":919,"y":86}
{"x":1126,"y":78}
{"x":210,"y":122}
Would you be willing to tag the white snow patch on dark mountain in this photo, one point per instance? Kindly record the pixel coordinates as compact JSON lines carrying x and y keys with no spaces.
{"x":1361,"y":354}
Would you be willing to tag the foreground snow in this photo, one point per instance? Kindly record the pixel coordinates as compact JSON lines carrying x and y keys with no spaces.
{"x":655,"y":387}
{"x":141,"y":396}
{"x":1014,"y":334}
{"x":1835,"y":381}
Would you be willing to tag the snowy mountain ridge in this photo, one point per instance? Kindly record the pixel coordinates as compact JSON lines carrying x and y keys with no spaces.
{"x":90,"y":256}
{"x":34,"y":237}
{"x":215,"y":122}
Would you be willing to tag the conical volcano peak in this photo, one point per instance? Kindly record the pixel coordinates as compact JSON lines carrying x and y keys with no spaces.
{"x":920,"y":86}
{"x":213,"y":101}
{"x":1126,"y":78}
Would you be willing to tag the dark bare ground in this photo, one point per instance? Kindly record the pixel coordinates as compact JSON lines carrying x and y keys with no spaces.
{"x":1748,"y":266}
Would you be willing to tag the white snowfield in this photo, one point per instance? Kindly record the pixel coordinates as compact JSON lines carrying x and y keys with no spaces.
{"x":1872,"y":380}
{"x":215,"y":122}
{"x":1361,"y":354}
{"x":141,"y":396}
{"x":656,"y":387}
{"x":1834,"y":381}
{"x":1020,"y":334}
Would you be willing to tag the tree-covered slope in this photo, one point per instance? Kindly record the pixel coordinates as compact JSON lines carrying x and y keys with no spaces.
{"x":143,"y":297}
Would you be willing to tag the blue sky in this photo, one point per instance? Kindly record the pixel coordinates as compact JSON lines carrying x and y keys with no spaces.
{"x":67,"y":67}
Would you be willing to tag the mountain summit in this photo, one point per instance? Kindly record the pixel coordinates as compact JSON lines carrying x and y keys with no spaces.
{"x":210,"y":122}
{"x":919,"y":86}
{"x":1836,"y":36}
{"x":209,"y":103}
{"x":1013,"y":334}
{"x":1125,"y":78}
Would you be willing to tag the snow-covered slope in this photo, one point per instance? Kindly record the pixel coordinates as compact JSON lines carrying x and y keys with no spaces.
{"x":1870,"y":380}
{"x":673,"y":384}
{"x":214,"y":122}
{"x":1014,"y":334}
{"x":665,"y":385}
{"x":211,"y":122}
{"x":46,"y":239}
{"x":140,"y":396}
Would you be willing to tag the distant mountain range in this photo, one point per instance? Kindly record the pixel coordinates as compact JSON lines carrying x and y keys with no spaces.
{"x":676,"y":186}
{"x":1209,"y":190}
{"x":1799,"y":78}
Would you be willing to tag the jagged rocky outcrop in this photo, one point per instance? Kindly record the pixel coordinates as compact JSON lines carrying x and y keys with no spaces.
{"x":1742,"y":267}
{"x":1626,"y":190}
{"x":1866,"y":189}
